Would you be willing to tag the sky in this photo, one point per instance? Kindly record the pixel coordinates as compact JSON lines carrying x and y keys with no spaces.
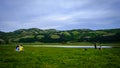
{"x":59,"y":14}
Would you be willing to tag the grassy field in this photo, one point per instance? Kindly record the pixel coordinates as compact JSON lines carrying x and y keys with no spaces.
{"x":65,"y":44}
{"x":44,"y":57}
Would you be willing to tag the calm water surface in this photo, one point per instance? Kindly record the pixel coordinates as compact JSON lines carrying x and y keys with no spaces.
{"x":60,"y":46}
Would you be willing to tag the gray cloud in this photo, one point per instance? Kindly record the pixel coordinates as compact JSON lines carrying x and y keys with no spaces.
{"x":59,"y":14}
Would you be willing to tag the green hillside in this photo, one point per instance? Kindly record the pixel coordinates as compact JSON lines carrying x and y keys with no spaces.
{"x":57,"y":36}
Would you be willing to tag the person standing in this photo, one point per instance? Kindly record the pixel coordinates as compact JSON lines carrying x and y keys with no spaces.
{"x":95,"y":45}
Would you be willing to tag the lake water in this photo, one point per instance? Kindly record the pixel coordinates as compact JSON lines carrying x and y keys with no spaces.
{"x":70,"y":46}
{"x":60,"y":46}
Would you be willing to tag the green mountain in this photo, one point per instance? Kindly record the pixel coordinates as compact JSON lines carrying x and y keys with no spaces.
{"x":53,"y":35}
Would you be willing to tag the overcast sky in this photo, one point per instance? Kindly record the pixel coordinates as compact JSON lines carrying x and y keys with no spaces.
{"x":59,"y":14}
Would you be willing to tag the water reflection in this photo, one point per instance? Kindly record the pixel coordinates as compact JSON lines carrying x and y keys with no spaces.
{"x":82,"y":46}
{"x":66,"y":46}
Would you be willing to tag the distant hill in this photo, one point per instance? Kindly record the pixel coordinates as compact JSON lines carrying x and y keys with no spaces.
{"x":53,"y":36}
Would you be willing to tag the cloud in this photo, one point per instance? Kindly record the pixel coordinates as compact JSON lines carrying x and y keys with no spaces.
{"x":58,"y":14}
{"x":57,"y":17}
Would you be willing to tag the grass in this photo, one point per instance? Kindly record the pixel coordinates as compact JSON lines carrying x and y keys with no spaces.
{"x":65,"y":44}
{"x":43,"y":57}
{"x":75,"y":44}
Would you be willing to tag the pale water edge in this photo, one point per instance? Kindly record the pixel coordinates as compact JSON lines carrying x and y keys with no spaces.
{"x":60,"y":46}
{"x":66,"y":46}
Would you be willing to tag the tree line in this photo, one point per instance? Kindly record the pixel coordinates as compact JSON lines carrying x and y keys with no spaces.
{"x":57,"y":36}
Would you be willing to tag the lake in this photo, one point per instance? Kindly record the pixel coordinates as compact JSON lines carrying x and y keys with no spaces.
{"x":60,"y":46}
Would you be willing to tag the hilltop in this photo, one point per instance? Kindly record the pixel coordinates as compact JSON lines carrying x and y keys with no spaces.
{"x":58,"y":36}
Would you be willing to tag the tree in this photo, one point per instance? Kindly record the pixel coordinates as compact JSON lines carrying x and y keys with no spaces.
{"x":27,"y":39}
{"x":65,"y":36}
{"x":40,"y":38}
{"x":75,"y":35}
{"x":2,"y":41}
{"x":55,"y":36}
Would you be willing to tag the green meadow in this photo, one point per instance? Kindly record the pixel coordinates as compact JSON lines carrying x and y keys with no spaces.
{"x":45,"y":57}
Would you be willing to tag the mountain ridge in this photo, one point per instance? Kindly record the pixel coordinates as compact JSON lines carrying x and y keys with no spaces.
{"x":53,"y":35}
